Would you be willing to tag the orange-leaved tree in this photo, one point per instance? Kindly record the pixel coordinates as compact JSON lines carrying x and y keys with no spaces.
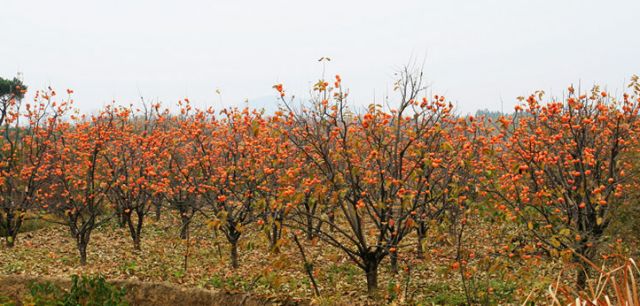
{"x":178,"y":166}
{"x":563,"y":168}
{"x":279,"y":191}
{"x":233,"y":161}
{"x":80,"y":178}
{"x":133,"y":161}
{"x":373,"y":164}
{"x":26,"y":137}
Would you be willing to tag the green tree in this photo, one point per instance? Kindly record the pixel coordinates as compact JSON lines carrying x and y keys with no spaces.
{"x":10,"y":90}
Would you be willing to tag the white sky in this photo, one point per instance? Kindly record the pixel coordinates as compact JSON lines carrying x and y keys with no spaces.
{"x":477,"y":52}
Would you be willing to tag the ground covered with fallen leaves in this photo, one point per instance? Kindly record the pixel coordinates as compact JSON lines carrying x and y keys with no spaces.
{"x":497,"y":274}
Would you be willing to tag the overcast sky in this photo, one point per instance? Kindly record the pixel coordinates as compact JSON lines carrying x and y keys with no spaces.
{"x":477,"y":52}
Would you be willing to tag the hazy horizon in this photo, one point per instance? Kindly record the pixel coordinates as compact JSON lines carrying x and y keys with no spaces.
{"x":478,"y":55}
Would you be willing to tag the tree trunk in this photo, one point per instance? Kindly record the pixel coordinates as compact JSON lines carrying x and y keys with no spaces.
{"x":140,"y":214}
{"x":393,"y":256}
{"x":318,"y":228}
{"x":12,"y":226}
{"x":582,"y":270}
{"x":122,"y":220}
{"x":184,"y":229}
{"x":234,"y":254}
{"x":136,"y":231}
{"x":81,"y":232}
{"x":132,"y":230}
{"x":581,"y":279}
{"x":275,"y":237}
{"x":371,"y":270}
{"x":587,"y":255}
{"x":419,"y":248}
{"x":158,"y":211}
{"x":82,"y":248}
{"x":11,"y":237}
{"x":309,"y":227}
{"x":136,"y":243}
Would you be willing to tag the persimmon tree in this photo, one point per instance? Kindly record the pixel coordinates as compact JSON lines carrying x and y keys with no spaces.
{"x":450,"y":161}
{"x":372,"y":163}
{"x":311,"y":201}
{"x":232,"y":161}
{"x":279,"y":191}
{"x":79,"y":180}
{"x":27,"y":132}
{"x":407,"y":166}
{"x":461,"y":189}
{"x":564,"y":167}
{"x":133,"y":161}
{"x":179,"y":168}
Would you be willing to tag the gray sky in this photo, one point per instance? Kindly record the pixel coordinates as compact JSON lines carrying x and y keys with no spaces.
{"x":477,"y":52}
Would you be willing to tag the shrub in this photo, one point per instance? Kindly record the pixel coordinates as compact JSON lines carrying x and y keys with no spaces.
{"x":92,"y":290}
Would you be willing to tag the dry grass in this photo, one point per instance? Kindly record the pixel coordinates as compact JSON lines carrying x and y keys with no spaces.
{"x":50,"y":252}
{"x":616,"y":285}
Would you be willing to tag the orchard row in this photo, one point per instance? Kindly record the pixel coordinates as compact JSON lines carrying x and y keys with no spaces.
{"x":360,"y":181}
